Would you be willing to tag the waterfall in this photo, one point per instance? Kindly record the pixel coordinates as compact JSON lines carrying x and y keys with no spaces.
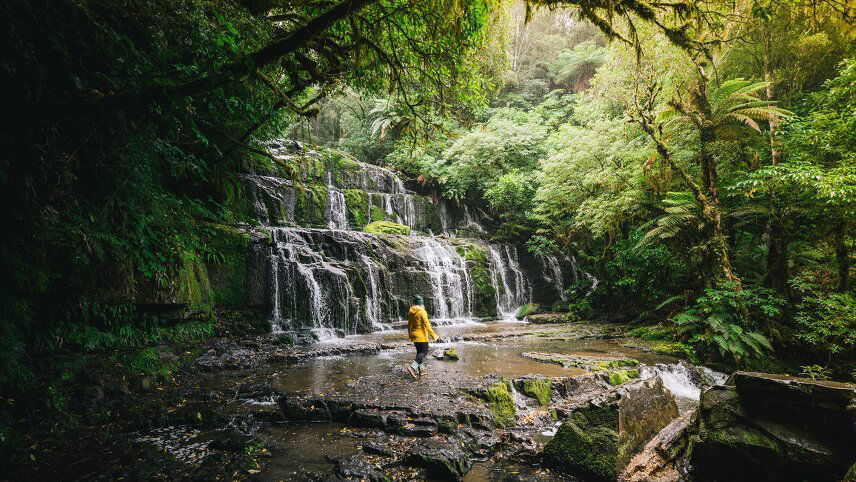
{"x":685,"y":381}
{"x":299,"y":299}
{"x":512,"y":289}
{"x":333,"y":280}
{"x":451,"y":290}
{"x":555,"y":275}
{"x":575,"y":269}
{"x":337,"y":215}
{"x":373,"y":296}
{"x":276,"y":310}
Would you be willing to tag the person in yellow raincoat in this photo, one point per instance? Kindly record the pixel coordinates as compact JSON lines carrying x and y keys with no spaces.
{"x":419,"y":329}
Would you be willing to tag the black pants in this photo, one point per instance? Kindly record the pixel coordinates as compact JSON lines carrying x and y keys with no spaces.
{"x":421,"y":350}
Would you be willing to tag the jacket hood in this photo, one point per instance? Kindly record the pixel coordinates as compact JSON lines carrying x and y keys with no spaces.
{"x":416,"y":309}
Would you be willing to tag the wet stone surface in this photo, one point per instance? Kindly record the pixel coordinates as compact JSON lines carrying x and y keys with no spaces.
{"x":347,"y":409}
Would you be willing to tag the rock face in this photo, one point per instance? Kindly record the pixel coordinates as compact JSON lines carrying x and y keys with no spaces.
{"x":663,"y":458}
{"x":599,"y":437}
{"x":776,"y":427}
{"x":348,"y":245}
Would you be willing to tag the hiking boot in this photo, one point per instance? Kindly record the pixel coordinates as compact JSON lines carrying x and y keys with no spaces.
{"x":412,"y":372}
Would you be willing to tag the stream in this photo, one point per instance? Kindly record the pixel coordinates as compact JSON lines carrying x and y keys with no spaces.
{"x":304,"y":449}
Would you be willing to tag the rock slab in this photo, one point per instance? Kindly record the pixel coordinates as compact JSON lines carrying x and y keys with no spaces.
{"x":597,"y":439}
{"x":776,"y":427}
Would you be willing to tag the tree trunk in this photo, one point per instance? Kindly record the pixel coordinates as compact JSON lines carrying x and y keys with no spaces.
{"x":775,"y":150}
{"x":713,"y":209}
{"x":778,"y":272}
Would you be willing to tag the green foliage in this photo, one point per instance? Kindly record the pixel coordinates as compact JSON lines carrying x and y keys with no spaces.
{"x":726,"y":322}
{"x":526,"y":310}
{"x":579,"y":63}
{"x":815,"y":372}
{"x":827,"y":322}
{"x":484,"y":304}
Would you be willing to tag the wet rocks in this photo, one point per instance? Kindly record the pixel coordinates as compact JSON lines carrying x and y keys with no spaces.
{"x":449,"y":354}
{"x":538,"y":387}
{"x":776,"y":427}
{"x":664,"y":458}
{"x":590,"y":363}
{"x":593,"y":442}
{"x":446,"y":461}
{"x":500,"y":402}
{"x":356,"y":467}
{"x":643,"y":411}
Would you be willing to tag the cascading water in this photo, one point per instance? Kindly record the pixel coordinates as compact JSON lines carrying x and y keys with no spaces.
{"x":337,"y":280}
{"x":555,"y":275}
{"x":337,"y":215}
{"x":306,"y":303}
{"x":686,"y":382}
{"x":451,"y":289}
{"x":373,"y":296}
{"x":512,"y":289}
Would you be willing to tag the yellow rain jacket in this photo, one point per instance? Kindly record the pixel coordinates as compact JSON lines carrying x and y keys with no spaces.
{"x":418,"y":326}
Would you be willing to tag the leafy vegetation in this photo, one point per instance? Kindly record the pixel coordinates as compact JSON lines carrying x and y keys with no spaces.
{"x":703,"y":182}
{"x":698,"y":162}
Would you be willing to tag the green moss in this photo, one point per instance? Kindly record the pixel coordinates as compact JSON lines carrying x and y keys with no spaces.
{"x":539,"y":389}
{"x":587,"y":451}
{"x":227,"y":264}
{"x":600,"y":365}
{"x":484,"y":304}
{"x":675,"y":349}
{"x":358,"y":210}
{"x":317,"y":215}
{"x":501,"y":404}
{"x":378,"y":214}
{"x":193,"y":287}
{"x":526,"y":310}
{"x":386,"y":227}
{"x":617,"y":377}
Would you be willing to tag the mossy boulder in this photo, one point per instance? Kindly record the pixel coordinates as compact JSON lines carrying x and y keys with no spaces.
{"x":586,"y":444}
{"x":450,"y":354}
{"x":677,"y":350}
{"x":539,"y":389}
{"x":501,"y":404}
{"x":599,"y":438}
{"x":386,"y":227}
{"x":618,"y":377}
{"x":526,"y":310}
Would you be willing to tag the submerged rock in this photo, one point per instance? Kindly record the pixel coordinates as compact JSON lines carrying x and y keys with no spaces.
{"x":776,"y":427}
{"x":450,"y":354}
{"x":599,"y":437}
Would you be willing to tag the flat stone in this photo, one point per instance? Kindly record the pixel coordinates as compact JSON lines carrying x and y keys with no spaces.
{"x":776,"y":427}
